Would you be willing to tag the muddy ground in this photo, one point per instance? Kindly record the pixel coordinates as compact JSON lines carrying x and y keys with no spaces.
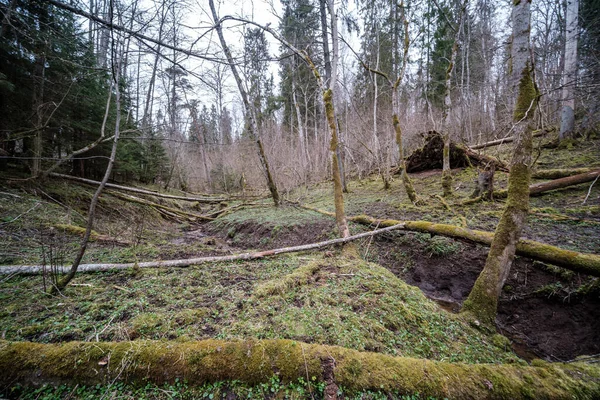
{"x":539,"y":309}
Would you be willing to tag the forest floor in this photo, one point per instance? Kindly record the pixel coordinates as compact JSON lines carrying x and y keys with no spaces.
{"x":400,"y":297}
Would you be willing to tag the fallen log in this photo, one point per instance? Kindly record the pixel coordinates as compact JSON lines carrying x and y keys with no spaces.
{"x":579,"y":262}
{"x":430,"y":156}
{"x":169,"y":212}
{"x":559,"y":173}
{"x":509,"y":139}
{"x":94,"y":236}
{"x":259,"y":361}
{"x":38,"y":269}
{"x":140,"y":191}
{"x":543,"y":187}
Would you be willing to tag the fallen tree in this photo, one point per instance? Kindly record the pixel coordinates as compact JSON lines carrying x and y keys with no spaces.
{"x":559,"y":173}
{"x":430,"y":156}
{"x":168,"y":212}
{"x":509,"y":139}
{"x":543,"y":187}
{"x":94,"y":236}
{"x":579,"y":262}
{"x":140,"y":191}
{"x":38,"y":269}
{"x":258,"y":361}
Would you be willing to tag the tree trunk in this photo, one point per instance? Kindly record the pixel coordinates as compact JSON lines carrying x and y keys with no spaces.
{"x":92,"y":210}
{"x":544,"y":187}
{"x":38,"y":269}
{"x":250,"y":112}
{"x":142,"y":191}
{"x":567,"y":122}
{"x":261,"y":361}
{"x":446,"y":174}
{"x":482,"y":302}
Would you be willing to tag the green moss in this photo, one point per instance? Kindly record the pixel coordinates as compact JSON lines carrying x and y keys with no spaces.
{"x":279,"y":286}
{"x":527,"y":96}
{"x":254,"y":362}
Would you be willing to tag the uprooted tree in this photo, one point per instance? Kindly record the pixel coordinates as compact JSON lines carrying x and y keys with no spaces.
{"x":483,"y":299}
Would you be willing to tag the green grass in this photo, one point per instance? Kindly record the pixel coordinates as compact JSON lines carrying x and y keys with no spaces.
{"x":301,"y":389}
{"x":336,"y":300}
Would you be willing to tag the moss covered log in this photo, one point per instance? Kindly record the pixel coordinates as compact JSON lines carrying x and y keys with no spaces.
{"x":257,"y":361}
{"x":579,"y":262}
{"x":559,"y":173}
{"x":543,"y":187}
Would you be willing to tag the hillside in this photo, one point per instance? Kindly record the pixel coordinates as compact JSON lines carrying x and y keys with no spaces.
{"x":395,"y":294}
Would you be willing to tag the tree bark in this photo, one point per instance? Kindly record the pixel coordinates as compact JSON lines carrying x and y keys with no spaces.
{"x":567,"y":122}
{"x":543,"y":187}
{"x":260,"y":361}
{"x":482,"y":302}
{"x":61,"y":284}
{"x":504,"y":140}
{"x":446,"y":174}
{"x":250,"y":111}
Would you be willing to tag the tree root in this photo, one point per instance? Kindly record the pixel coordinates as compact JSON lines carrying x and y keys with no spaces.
{"x":258,"y":361}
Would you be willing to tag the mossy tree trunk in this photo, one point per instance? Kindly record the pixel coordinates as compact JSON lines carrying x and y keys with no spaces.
{"x":252,"y":124}
{"x":260,"y":361}
{"x":483,"y":299}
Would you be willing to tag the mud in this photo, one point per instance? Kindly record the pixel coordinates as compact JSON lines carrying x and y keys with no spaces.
{"x":535,"y":310}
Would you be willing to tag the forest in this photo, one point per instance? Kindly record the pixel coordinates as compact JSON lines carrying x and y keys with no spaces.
{"x":292,"y":199}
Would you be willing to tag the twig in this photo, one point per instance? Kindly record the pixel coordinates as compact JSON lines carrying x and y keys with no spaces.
{"x":20,"y":215}
{"x":590,"y":190}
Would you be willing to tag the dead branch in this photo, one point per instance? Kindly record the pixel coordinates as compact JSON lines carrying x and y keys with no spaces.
{"x":94,"y":236}
{"x":579,"y":262}
{"x":36,"y":269}
{"x":140,"y":191}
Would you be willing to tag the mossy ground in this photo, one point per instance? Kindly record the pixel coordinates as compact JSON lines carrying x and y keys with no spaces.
{"x":314,"y":297}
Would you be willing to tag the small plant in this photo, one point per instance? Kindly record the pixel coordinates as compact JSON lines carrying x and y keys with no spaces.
{"x":441,"y":247}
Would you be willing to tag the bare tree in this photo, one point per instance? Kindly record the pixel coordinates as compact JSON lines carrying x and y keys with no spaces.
{"x":116,"y":71}
{"x":483,"y":299}
{"x":567,"y":116}
{"x":252,"y":125}
{"x":396,"y":93}
{"x":447,"y":108}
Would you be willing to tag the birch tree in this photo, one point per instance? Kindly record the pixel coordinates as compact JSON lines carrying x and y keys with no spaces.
{"x":483,"y":299}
